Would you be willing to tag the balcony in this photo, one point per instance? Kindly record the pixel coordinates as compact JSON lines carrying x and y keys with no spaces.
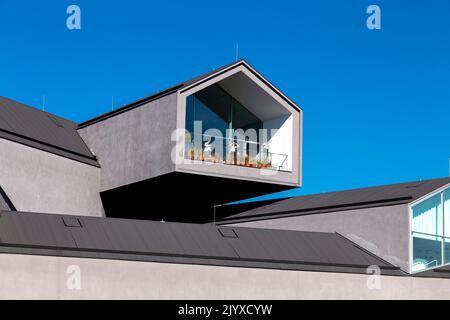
{"x":221,"y":130}
{"x":234,"y":151}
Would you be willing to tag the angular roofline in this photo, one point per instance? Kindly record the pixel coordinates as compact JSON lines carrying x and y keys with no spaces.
{"x":319,"y":210}
{"x":186,"y":85}
{"x":39,"y":145}
{"x":197,"y":81}
{"x":36,"y":143}
{"x":248,"y":216}
{"x":429,"y":194}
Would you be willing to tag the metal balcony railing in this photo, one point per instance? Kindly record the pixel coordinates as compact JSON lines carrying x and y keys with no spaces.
{"x":233,"y":151}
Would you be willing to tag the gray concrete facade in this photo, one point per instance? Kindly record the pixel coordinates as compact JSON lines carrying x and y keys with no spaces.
{"x":384,"y":231}
{"x":134,"y":145}
{"x":39,"y":181}
{"x":43,"y":277}
{"x":139,"y":144}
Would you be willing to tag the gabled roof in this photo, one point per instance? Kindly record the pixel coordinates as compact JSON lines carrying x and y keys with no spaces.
{"x":386,"y":195}
{"x":107,"y":238}
{"x":41,"y":130}
{"x":184,"y":86}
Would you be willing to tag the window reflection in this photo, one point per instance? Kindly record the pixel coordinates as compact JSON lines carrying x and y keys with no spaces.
{"x":229,"y":133}
{"x":431,"y":232}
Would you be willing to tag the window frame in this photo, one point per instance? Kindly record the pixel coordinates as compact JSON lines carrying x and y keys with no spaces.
{"x":441,"y":190}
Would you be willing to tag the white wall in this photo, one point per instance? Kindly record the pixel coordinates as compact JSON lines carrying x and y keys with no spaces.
{"x":40,"y":277}
{"x":38,"y":181}
{"x":281,"y":139}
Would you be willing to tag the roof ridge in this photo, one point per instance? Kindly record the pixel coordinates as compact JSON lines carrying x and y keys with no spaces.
{"x":156,"y":95}
{"x":38,"y":110}
{"x":42,"y":130}
{"x":317,"y":203}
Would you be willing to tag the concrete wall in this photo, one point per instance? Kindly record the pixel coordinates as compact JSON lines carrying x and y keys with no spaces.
{"x":39,"y":277}
{"x":135,"y":145}
{"x":38,"y":181}
{"x":383,"y":230}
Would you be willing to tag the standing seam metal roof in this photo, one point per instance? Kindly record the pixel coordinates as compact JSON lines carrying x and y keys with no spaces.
{"x":394,"y":194}
{"x":42,"y":130}
{"x":42,"y":234}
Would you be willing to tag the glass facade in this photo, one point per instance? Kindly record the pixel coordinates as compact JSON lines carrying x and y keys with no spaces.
{"x":431,"y":232}
{"x":221,"y":130}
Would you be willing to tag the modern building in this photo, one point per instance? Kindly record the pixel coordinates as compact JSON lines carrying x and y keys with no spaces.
{"x":406,"y":224}
{"x":135,"y":204}
{"x":152,"y":144}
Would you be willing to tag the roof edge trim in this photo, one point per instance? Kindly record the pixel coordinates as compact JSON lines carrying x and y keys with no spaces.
{"x":162,"y":254}
{"x":429,"y":195}
{"x":45,"y":147}
{"x":254,"y":72}
{"x":182,"y":87}
{"x":129,"y":106}
{"x":325,"y":209}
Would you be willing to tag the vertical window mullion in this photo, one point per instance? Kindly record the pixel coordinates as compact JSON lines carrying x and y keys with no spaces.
{"x":443,"y":229}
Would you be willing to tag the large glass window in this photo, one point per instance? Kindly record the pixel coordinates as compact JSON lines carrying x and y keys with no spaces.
{"x":447,"y":226}
{"x":220,"y":129}
{"x":431,"y":232}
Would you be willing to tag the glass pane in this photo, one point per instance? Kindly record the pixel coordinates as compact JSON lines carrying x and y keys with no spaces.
{"x":428,"y":217}
{"x":446,"y":250}
{"x":427,"y":252}
{"x":220,"y":141}
{"x":447,"y":226}
{"x":229,"y":131}
{"x":212,"y":115}
{"x":190,"y":114}
{"x":447,"y":213}
{"x":428,"y":229}
{"x":211,"y":107}
{"x":245,"y":120}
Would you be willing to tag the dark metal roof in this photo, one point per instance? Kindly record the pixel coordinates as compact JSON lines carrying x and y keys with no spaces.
{"x":38,"y":129}
{"x":42,"y":234}
{"x":154,"y":96}
{"x":181,"y":86}
{"x":386,"y":195}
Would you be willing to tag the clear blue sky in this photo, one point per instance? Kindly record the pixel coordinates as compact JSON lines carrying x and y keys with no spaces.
{"x":377,"y":103}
